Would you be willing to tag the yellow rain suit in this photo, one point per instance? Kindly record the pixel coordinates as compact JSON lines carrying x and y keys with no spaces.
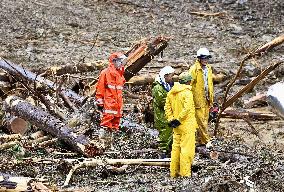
{"x":202,"y":101}
{"x":180,"y":105}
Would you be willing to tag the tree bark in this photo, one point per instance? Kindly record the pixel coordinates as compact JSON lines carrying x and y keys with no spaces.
{"x":50,"y":124}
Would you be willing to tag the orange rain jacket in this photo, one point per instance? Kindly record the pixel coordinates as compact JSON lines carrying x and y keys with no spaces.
{"x":109,"y":88}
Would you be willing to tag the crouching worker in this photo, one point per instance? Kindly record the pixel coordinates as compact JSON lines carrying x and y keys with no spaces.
{"x":109,"y":92}
{"x":162,"y":85}
{"x":180,"y":113}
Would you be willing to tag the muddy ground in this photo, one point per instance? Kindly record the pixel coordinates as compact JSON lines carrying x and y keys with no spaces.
{"x":40,"y":33}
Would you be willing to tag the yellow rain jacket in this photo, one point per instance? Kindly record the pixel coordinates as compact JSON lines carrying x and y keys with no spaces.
{"x":180,"y":105}
{"x":202,"y":101}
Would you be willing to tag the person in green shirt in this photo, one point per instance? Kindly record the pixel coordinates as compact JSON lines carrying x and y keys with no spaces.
{"x":162,"y":85}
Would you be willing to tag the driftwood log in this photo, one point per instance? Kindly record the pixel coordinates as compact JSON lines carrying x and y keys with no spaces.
{"x":71,"y":69}
{"x":50,"y":124}
{"x":250,"y":115}
{"x":16,"y":70}
{"x":149,"y":79}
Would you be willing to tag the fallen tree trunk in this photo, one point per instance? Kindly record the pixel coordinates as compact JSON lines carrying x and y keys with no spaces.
{"x":71,"y":69}
{"x":150,"y":78}
{"x":50,"y":124}
{"x":16,"y":70}
{"x":250,"y":115}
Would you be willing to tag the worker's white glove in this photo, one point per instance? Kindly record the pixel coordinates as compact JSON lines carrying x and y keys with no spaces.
{"x":209,"y":145}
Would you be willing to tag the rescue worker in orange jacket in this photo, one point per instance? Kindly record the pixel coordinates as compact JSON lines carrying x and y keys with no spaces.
{"x":109,"y":91}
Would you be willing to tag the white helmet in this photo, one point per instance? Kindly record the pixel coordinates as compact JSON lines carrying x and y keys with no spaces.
{"x":166,"y":70}
{"x":203,"y":53}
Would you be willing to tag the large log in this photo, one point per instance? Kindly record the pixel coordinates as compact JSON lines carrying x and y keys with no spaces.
{"x":50,"y":124}
{"x":71,"y":69}
{"x":247,"y":114}
{"x":149,"y":79}
{"x":16,"y":70}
